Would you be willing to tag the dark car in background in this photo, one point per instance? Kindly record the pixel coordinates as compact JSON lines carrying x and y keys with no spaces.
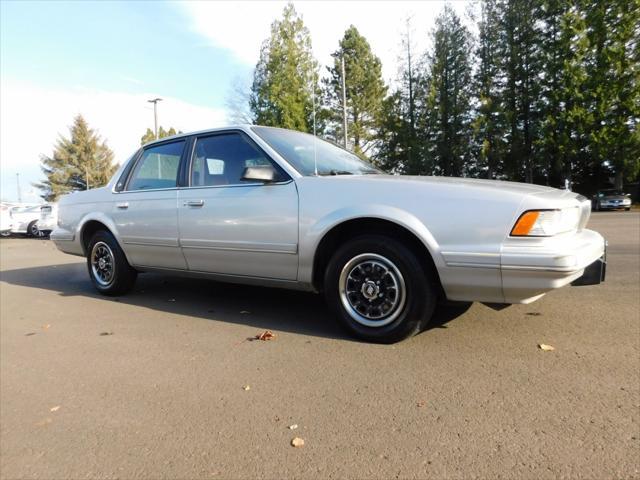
{"x":611,"y":199}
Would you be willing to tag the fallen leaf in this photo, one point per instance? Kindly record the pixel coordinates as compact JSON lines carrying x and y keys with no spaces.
{"x":533,"y":314}
{"x":420,"y":404}
{"x":246,"y":388}
{"x":266,"y":335}
{"x":545,"y":347}
{"x":297,"y":442}
{"x":46,"y":327}
{"x":29,"y":334}
{"x":104,"y":334}
{"x":293,"y":427}
{"x":55,"y":409}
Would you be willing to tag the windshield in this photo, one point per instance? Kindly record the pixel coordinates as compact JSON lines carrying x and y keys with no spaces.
{"x":306,"y":153}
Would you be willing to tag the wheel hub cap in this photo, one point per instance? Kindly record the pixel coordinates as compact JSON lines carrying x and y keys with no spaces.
{"x":372,"y":290}
{"x":102,"y":264}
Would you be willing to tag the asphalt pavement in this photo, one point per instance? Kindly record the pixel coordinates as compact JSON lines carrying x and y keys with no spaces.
{"x":166,"y":383}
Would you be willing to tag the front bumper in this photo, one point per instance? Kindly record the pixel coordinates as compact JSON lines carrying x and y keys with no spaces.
{"x":532,"y":268}
{"x":594,"y":274}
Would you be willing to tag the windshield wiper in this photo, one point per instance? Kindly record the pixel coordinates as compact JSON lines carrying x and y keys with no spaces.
{"x":336,"y":172}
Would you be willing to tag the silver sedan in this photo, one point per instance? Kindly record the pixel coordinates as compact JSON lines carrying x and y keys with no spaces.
{"x":273,"y":207}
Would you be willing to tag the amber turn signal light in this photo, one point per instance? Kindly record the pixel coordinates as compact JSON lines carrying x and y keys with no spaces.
{"x":525,"y":223}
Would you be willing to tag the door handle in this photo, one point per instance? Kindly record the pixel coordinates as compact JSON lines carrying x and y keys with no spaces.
{"x":194,"y":203}
{"x":123,"y":205}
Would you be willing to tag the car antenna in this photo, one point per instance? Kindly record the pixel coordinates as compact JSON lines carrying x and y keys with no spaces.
{"x":315,"y":152}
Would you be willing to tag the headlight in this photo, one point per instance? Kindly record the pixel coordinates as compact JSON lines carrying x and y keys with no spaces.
{"x":546,"y":223}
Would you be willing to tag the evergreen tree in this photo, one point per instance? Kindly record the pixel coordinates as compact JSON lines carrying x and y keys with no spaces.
{"x":613,"y":88}
{"x":563,"y":107}
{"x":399,"y":148}
{"x":447,"y":119}
{"x":489,"y":122}
{"x":520,"y":48}
{"x":365,"y":92}
{"x":77,"y":163}
{"x":392,"y":154}
{"x":285,"y":76}
{"x":149,"y":136}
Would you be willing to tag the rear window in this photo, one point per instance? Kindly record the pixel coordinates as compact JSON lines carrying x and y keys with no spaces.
{"x":158,"y":167}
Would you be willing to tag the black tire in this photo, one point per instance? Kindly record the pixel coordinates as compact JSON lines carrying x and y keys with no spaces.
{"x":627,"y":209}
{"x":114,"y":276}
{"x":356,"y":299}
{"x":33,"y":230}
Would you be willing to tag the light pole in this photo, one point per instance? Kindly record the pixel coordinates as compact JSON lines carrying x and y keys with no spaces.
{"x":344,"y":103}
{"x":155,"y":115}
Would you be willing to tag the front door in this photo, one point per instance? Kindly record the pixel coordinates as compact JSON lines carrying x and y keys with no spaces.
{"x":145,"y":212}
{"x":235,"y":227}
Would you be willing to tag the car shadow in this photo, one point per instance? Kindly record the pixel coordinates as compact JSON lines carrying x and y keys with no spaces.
{"x":260,"y":307}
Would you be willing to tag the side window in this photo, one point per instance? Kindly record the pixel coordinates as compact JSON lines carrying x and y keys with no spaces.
{"x":221,"y":160}
{"x":157,"y":168}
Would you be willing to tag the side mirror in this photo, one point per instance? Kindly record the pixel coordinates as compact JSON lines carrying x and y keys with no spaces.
{"x":260,"y":173}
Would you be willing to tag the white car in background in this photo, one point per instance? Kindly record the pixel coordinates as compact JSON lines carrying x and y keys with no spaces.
{"x":48,"y":218}
{"x":5,"y":221}
{"x":25,"y":220}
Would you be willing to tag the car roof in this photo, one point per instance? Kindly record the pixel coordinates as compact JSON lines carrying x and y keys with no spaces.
{"x":243,"y":127}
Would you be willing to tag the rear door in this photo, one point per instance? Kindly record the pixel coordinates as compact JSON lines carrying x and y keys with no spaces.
{"x":235,"y":227}
{"x":145,"y":211}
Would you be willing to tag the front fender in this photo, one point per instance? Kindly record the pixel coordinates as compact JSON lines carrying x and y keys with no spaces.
{"x":311,"y":238}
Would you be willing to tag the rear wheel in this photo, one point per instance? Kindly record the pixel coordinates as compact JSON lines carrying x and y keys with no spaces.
{"x":109,"y":270}
{"x":33,"y":230}
{"x":378,"y":289}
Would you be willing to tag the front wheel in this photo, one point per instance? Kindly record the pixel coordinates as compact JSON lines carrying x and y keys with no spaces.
{"x":109,"y":270}
{"x":378,"y":289}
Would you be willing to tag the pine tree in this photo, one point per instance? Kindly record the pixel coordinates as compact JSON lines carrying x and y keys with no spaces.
{"x":447,"y":119}
{"x":520,"y":49}
{"x":80,"y":162}
{"x":489,"y":122}
{"x":399,"y":142}
{"x":149,"y":136}
{"x":365,"y":92}
{"x":285,"y":76}
{"x":392,"y":154}
{"x":613,"y":86}
{"x":563,"y":106}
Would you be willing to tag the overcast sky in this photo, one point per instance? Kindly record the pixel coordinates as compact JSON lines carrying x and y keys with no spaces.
{"x":105,"y":59}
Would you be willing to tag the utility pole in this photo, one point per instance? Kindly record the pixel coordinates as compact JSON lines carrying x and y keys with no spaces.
{"x":344,"y":104}
{"x":86,"y":175}
{"x":155,"y":115}
{"x":18,"y":185}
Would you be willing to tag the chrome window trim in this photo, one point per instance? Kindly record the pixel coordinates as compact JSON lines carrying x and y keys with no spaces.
{"x":235,"y":185}
{"x":146,"y":190}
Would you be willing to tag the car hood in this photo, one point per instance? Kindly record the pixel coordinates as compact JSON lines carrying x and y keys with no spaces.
{"x":457,"y":182}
